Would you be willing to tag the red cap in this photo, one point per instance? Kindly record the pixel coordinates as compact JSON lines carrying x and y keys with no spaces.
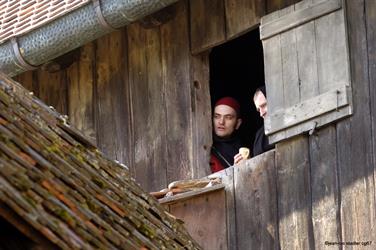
{"x":229,"y":101}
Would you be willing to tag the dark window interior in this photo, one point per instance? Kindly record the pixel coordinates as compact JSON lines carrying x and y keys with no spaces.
{"x":237,"y":70}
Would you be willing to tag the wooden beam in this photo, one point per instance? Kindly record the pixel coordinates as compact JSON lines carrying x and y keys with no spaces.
{"x":305,"y":110}
{"x":242,"y":15}
{"x":207,"y":24}
{"x":188,"y":195}
{"x":159,"y":18}
{"x":300,"y":17}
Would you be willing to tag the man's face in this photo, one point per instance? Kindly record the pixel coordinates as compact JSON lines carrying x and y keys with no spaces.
{"x":261,"y":104}
{"x":225,"y":121}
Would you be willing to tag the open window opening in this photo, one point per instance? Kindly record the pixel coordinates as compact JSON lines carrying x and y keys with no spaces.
{"x":237,"y":70}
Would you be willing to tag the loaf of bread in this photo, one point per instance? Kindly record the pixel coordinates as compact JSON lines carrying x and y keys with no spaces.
{"x":244,"y":152}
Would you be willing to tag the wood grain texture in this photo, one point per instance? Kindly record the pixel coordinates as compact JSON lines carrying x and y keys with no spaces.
{"x":332,"y":51}
{"x":242,"y":15}
{"x":52,"y":89}
{"x":110,"y":110}
{"x":319,"y":105}
{"x":181,"y":197}
{"x":355,"y":161}
{"x":148,"y":107}
{"x":201,"y":115}
{"x":289,"y":65}
{"x":274,"y":5}
{"x":176,"y":67}
{"x":307,"y":65}
{"x":256,"y":203}
{"x":207,"y":24}
{"x":325,"y":187}
{"x":307,"y":60}
{"x":273,"y":72}
{"x":299,"y":17}
{"x":227,"y":176}
{"x":80,"y":77}
{"x":322,"y":120}
{"x":207,"y":225}
{"x":370,"y":8}
{"x":26,"y":79}
{"x":294,"y":194}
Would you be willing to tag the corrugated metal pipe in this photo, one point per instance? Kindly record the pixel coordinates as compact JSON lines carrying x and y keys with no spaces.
{"x":72,"y":31}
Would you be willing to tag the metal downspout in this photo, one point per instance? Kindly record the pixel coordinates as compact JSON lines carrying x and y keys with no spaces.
{"x":72,"y":31}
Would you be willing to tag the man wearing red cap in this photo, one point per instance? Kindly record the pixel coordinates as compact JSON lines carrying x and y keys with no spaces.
{"x":226,"y":143}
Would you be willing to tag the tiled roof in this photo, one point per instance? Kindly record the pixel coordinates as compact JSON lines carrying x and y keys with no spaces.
{"x":63,"y":187}
{"x":20,"y":16}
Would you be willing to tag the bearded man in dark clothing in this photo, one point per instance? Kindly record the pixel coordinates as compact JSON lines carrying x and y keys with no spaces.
{"x":226,"y":142}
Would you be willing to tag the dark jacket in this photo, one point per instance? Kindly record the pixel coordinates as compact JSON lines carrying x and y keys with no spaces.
{"x":223,"y":152}
{"x":261,"y":143}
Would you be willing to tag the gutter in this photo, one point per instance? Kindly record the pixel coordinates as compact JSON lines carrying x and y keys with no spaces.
{"x":29,"y":51}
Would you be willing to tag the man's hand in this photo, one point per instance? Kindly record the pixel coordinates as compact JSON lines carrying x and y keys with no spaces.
{"x":238,"y":158}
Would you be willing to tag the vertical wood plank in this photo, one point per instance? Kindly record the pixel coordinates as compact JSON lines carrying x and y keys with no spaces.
{"x":307,"y":57}
{"x":306,"y":46}
{"x":201,"y":115}
{"x":176,"y":56}
{"x":26,"y":79}
{"x":332,"y":56}
{"x":52,"y":89}
{"x":242,"y":15}
{"x":148,"y":107}
{"x":356,"y":166}
{"x":228,"y":180}
{"x":294,"y":194}
{"x":207,"y":225}
{"x":290,"y":74}
{"x":370,"y":8}
{"x":256,"y":203}
{"x":111,"y":112}
{"x":273,"y":70}
{"x":227,"y":177}
{"x":80,"y":78}
{"x":207,"y":24}
{"x":325,"y":187}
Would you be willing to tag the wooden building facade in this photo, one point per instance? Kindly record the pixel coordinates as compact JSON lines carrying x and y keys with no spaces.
{"x":143,"y":93}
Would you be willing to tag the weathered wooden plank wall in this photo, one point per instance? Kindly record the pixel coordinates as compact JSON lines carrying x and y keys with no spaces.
{"x":147,"y":101}
{"x":111,"y":116}
{"x":207,"y":225}
{"x":142,"y":96}
{"x":215,"y":22}
{"x":326,"y":182}
{"x":81,"y":77}
{"x":152,"y":103}
{"x":242,"y":15}
{"x":354,"y":144}
{"x":177,"y":87}
{"x":207,"y":24}
{"x":370,"y":19}
{"x":255,"y":190}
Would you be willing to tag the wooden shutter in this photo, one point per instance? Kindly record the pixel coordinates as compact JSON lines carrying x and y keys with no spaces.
{"x":307,"y":70}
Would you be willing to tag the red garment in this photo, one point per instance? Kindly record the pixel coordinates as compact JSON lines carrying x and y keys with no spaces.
{"x":215,"y":164}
